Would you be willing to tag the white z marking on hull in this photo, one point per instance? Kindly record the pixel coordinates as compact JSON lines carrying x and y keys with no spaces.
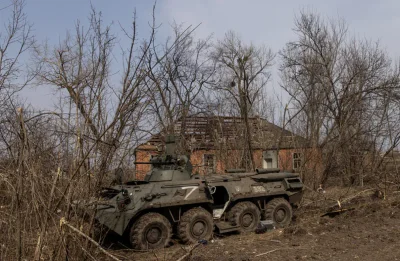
{"x":193,"y":188}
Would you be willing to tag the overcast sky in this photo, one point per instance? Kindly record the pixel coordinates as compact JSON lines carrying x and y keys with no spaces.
{"x":261,"y":21}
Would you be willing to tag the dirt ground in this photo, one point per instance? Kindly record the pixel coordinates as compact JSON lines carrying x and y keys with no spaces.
{"x":371,"y":231}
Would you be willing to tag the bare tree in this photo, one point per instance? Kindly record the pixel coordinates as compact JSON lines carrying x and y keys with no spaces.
{"x":81,"y":67}
{"x":176,"y":86}
{"x":336,"y":83}
{"x":15,"y":40}
{"x":243,"y":72}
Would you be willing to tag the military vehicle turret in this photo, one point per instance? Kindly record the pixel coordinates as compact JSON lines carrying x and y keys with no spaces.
{"x":172,"y":200}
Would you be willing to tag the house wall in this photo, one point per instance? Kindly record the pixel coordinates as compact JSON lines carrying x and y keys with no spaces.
{"x":143,"y":156}
{"x":222,"y":161}
{"x":311,"y":161}
{"x":285,"y":159}
{"x":312,"y":165}
{"x":226,"y":160}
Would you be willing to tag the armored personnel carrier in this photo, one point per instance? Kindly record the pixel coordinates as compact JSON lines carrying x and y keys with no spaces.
{"x":173,"y":201}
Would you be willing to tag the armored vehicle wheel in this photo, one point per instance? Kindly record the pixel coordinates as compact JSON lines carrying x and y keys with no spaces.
{"x":246,"y":215}
{"x":152,"y":230}
{"x":279,"y":211}
{"x":195,"y":224}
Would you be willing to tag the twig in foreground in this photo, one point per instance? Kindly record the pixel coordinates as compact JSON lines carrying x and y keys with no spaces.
{"x":63,"y":222}
{"x":271,"y":251}
{"x":188,"y":253}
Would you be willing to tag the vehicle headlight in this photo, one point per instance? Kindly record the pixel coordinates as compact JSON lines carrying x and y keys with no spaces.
{"x":123,"y":200}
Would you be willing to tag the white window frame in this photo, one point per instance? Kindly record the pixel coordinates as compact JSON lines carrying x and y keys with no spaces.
{"x":206,"y":167}
{"x":297,"y":160}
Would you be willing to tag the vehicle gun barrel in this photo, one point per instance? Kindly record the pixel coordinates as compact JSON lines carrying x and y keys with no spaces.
{"x":141,"y":162}
{"x":158,"y":162}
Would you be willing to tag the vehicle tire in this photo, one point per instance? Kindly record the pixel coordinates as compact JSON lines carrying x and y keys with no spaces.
{"x":150,"y":231}
{"x":195,"y":224}
{"x":246,"y":215}
{"x":279,"y":211}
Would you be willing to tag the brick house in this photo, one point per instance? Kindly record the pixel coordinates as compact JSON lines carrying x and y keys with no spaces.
{"x":216,"y":143}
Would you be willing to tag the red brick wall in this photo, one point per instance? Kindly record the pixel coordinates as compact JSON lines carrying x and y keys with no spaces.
{"x":258,"y":158}
{"x":143,"y":156}
{"x":226,"y":160}
{"x":310,"y":156}
{"x":197,"y":159}
{"x":230,"y":160}
{"x":312,"y":166}
{"x":285,"y":159}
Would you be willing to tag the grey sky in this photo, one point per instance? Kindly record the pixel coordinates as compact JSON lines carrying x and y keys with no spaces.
{"x":262,"y":22}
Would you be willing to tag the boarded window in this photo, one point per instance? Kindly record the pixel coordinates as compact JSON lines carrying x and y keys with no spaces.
{"x":209,"y":163}
{"x":297,"y":160}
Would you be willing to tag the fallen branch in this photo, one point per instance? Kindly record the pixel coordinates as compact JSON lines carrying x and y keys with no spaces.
{"x":189,"y":252}
{"x":271,"y":251}
{"x":63,"y":222}
{"x":339,"y":203}
{"x":337,"y":212}
{"x":357,"y":194}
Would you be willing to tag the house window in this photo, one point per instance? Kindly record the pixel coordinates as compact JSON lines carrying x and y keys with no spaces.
{"x":268,"y":163}
{"x":270,"y":159}
{"x":297,"y":160}
{"x":209,"y":163}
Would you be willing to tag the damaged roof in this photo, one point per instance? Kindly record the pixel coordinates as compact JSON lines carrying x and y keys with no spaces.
{"x":215,"y":132}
